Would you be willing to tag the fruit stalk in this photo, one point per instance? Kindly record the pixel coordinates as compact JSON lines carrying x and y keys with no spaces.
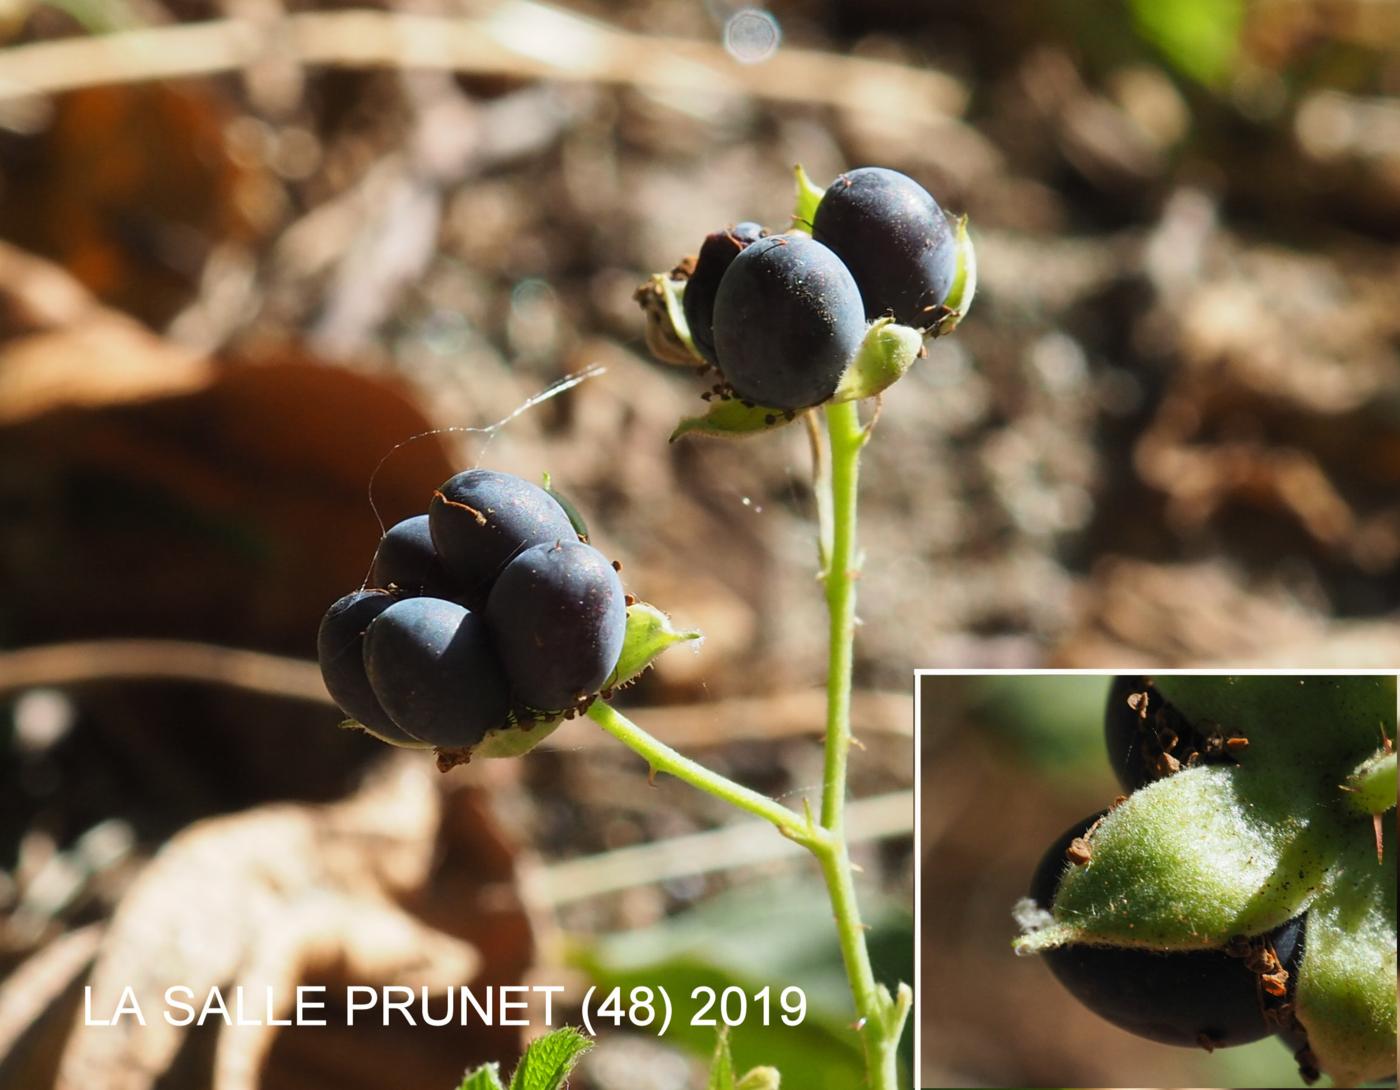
{"x":662,"y":758}
{"x":880,"y":1019}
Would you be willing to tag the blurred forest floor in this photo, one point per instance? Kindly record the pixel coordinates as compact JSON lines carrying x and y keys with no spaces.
{"x":1168,"y":434}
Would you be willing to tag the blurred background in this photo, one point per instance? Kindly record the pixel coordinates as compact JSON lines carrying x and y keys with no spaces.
{"x":1008,"y":763}
{"x":249,"y":248}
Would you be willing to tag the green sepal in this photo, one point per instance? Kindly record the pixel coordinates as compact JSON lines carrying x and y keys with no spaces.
{"x":733,"y":419}
{"x":576,"y":520}
{"x":1371,"y":788}
{"x":964,"y":288}
{"x":809,"y":196}
{"x":1307,"y":730}
{"x":886,"y":353}
{"x":1346,"y":987}
{"x":649,"y":633}
{"x":516,"y":739}
{"x":1189,"y":861}
{"x":549,"y":1060}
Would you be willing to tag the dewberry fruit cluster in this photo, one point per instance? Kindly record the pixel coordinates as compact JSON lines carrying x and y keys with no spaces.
{"x":1240,"y":992}
{"x":489,"y":610}
{"x":781,"y":316}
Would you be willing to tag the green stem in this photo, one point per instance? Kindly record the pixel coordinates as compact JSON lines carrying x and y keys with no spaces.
{"x":663,"y":758}
{"x":880,"y":1023}
{"x":821,"y":488}
{"x":880,"y":1017}
{"x":842,"y":570}
{"x":882,"y":1020}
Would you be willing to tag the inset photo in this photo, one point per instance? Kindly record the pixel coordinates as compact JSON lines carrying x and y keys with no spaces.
{"x":1156,"y":880}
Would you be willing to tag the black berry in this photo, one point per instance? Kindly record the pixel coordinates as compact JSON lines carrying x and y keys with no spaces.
{"x":788,"y":319}
{"x":434,"y":671}
{"x":558,"y":616}
{"x":480,"y":519}
{"x":340,"y":649}
{"x":406,"y":561}
{"x":894,"y":238}
{"x":1126,"y":728}
{"x":716,"y":254}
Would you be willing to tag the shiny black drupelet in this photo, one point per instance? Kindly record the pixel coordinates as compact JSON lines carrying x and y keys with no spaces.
{"x":894,"y":238}
{"x":788,"y":321}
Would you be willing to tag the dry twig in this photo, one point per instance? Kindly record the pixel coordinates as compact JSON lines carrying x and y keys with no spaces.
{"x":521,"y":39}
{"x":743,"y":844}
{"x":62,"y":664}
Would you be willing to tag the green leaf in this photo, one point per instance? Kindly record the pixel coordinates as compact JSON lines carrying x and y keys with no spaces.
{"x":760,"y":1078}
{"x":886,"y":353}
{"x":549,"y":1059}
{"x":1199,"y":37}
{"x":808,"y":197}
{"x":649,"y":633}
{"x":733,"y":419}
{"x":485,"y":1077}
{"x":1346,"y":987}
{"x":722,"y":1063}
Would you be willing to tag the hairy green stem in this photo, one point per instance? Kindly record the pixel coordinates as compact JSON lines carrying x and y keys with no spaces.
{"x":663,"y":758}
{"x":842,"y":564}
{"x":880,"y":1018}
{"x":821,"y":487}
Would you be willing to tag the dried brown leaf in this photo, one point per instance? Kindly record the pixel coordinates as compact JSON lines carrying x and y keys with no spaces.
{"x":268,"y":899}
